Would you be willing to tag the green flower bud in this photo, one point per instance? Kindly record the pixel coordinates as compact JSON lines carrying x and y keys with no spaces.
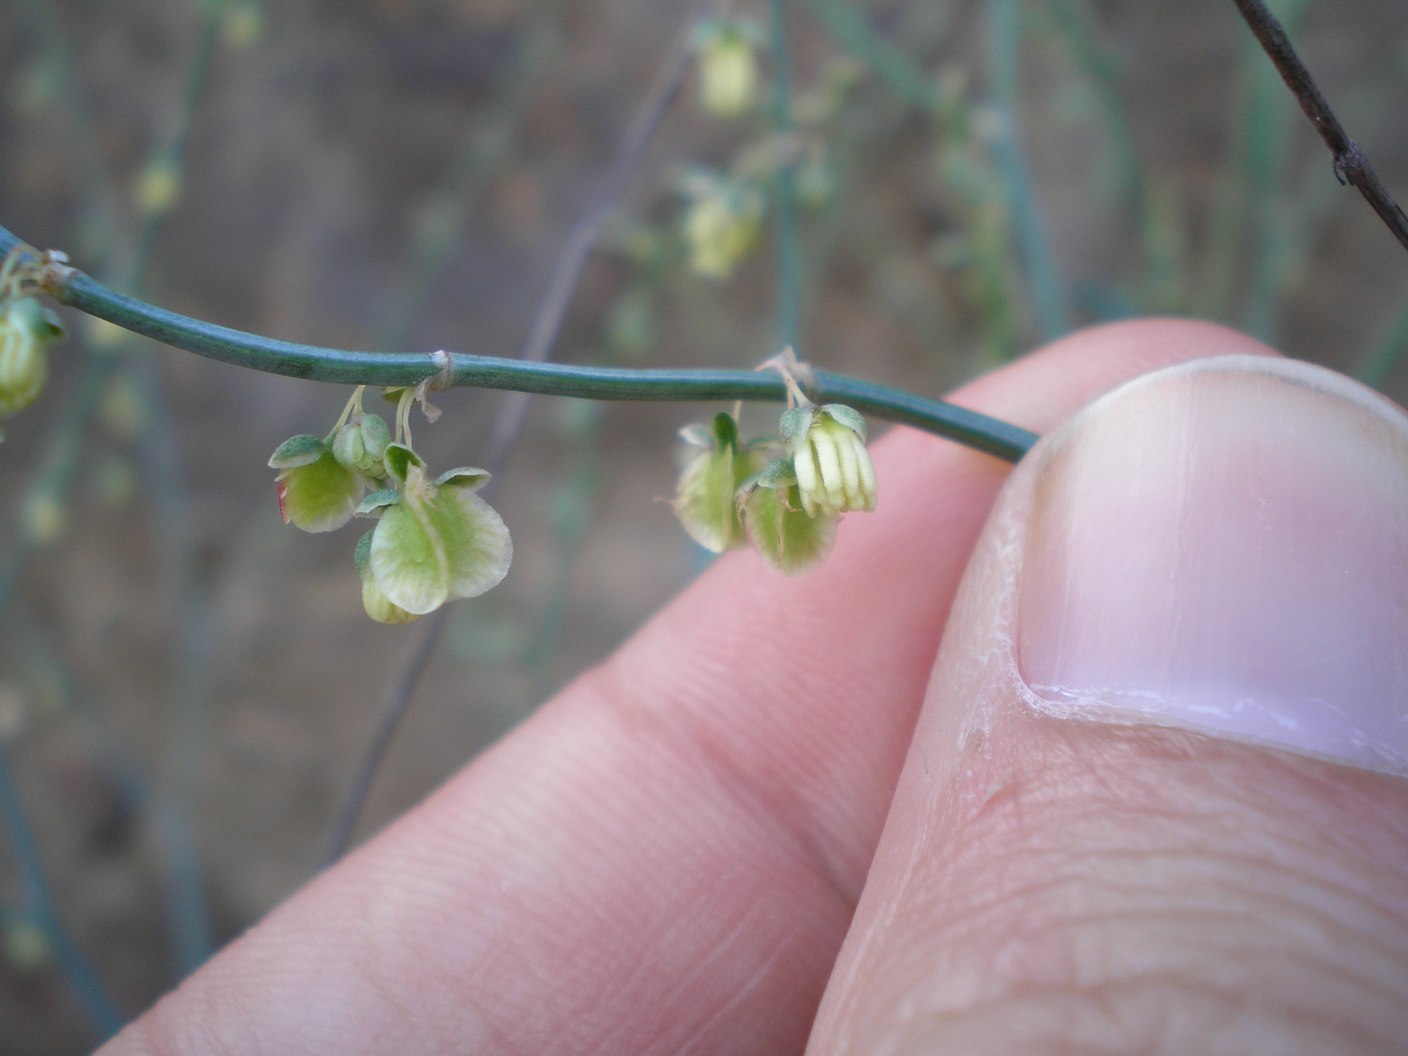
{"x":783,"y":533}
{"x":705,"y":498}
{"x":378,"y":606}
{"x":833,"y":468}
{"x":728,"y":69}
{"x":361,"y":443}
{"x":27,"y":329}
{"x":316,"y":492}
{"x":440,"y":542}
{"x":722,"y":227}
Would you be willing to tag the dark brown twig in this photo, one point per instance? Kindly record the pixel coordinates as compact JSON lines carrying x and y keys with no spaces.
{"x":1350,"y":162}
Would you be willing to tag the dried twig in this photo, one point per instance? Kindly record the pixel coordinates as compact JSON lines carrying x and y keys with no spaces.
{"x":1350,"y":162}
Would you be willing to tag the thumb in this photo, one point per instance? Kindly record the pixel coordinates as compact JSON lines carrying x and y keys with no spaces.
{"x":1155,"y":801}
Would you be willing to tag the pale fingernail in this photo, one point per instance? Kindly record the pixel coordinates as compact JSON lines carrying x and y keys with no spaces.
{"x":1224,"y":546}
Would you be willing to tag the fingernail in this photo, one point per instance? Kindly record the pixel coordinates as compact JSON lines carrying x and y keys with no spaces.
{"x":1224,"y":546}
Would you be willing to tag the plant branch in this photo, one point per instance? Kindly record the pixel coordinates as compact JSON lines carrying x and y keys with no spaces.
{"x":979,"y":431}
{"x":1350,"y":162}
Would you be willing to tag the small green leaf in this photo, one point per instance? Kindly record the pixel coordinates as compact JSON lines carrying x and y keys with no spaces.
{"x":297,"y":451}
{"x":471,"y":477}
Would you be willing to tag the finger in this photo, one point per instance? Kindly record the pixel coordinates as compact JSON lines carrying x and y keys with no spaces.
{"x":665,"y":858}
{"x":1139,"y":812}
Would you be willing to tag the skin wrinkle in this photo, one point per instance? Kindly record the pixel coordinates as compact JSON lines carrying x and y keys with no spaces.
{"x":1034,"y":820}
{"x":1164,"y":1017}
{"x":768,"y":812}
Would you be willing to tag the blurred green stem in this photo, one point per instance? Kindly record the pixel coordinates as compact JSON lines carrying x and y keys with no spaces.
{"x":789,"y":250}
{"x":895,"y":69}
{"x":97,"y":1005}
{"x":1004,"y":47}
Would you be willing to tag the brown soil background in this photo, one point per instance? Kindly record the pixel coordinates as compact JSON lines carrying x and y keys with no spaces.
{"x":311,"y":158}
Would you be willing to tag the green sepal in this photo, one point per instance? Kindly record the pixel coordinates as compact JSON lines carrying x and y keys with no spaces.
{"x":471,"y":477}
{"x":795,"y":423}
{"x":378,"y":500}
{"x":297,"y":451}
{"x":363,"y":553}
{"x":725,"y":430}
{"x":782,"y":533}
{"x":399,"y":459}
{"x":847,"y":416}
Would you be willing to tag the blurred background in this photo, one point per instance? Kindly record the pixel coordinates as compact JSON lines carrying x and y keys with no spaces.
{"x":187,"y":685}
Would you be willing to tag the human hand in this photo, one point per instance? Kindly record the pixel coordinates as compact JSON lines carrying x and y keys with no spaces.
{"x":668,"y":857}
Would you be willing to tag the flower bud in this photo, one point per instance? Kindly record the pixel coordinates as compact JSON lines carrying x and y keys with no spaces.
{"x":377,"y":605}
{"x":360,"y":444}
{"x":722,"y":226}
{"x":833,"y":468}
{"x":784,"y":535}
{"x":27,"y":329}
{"x":316,"y":492}
{"x":728,"y":69}
{"x":705,"y":498}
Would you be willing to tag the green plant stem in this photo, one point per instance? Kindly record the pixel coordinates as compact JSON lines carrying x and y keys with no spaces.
{"x":895,"y":69}
{"x":1383,"y":356}
{"x":789,"y":250}
{"x":104,"y":1015}
{"x":1004,"y":44}
{"x":979,"y":431}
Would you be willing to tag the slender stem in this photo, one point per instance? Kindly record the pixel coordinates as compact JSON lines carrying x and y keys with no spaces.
{"x":1350,"y":162}
{"x":393,"y":710}
{"x":1384,"y":355}
{"x":587,"y":232}
{"x":315,"y":363}
{"x":894,"y":68}
{"x":789,"y":250}
{"x":508,"y":423}
{"x":99,"y":1007}
{"x":1004,"y":42}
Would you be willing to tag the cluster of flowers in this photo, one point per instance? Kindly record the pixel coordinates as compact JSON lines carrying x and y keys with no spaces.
{"x":781,"y":494}
{"x":435,"y":539}
{"x":724,"y":211}
{"x":27,"y":329}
